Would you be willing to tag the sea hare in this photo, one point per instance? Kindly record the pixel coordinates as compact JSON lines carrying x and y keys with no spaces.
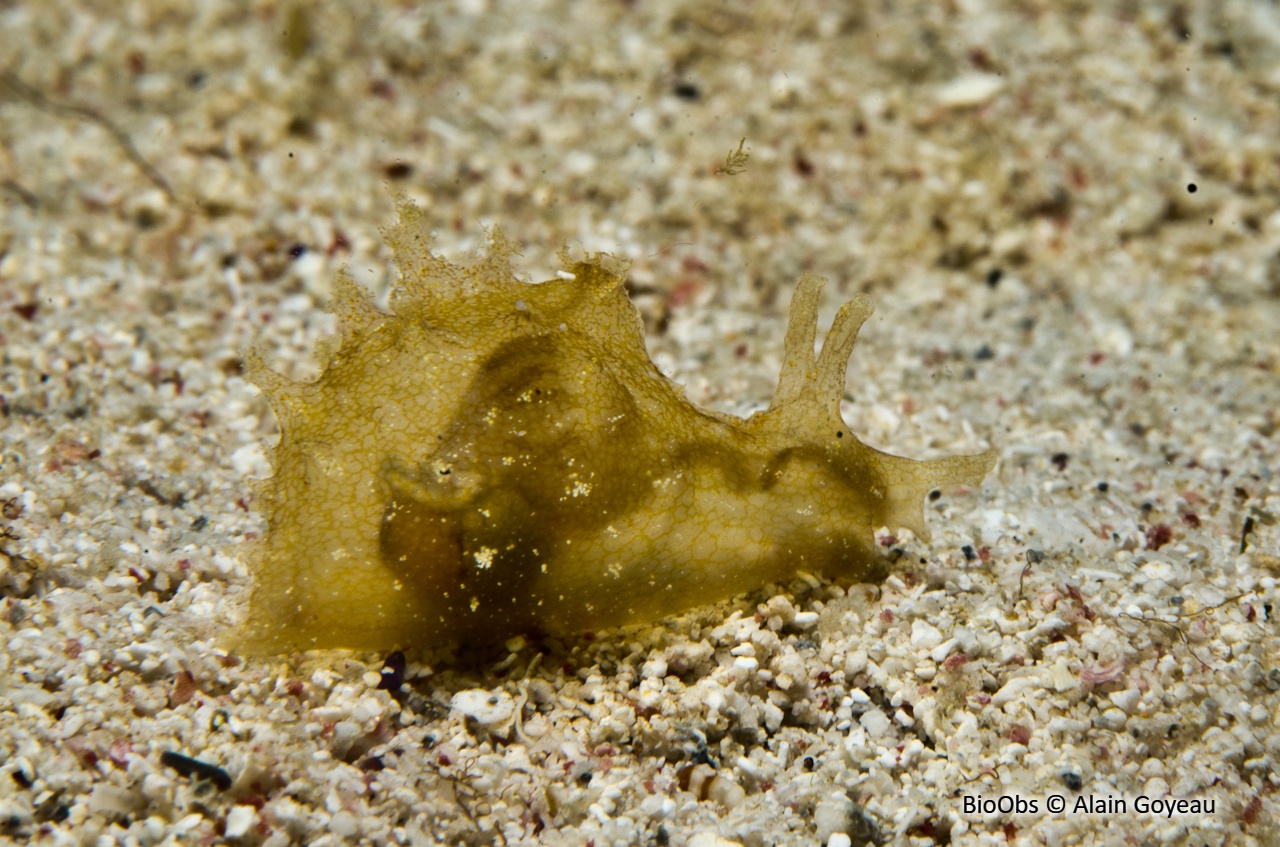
{"x":495,"y":457}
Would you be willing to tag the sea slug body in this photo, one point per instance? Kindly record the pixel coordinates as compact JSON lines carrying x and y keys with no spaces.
{"x":494,"y":457}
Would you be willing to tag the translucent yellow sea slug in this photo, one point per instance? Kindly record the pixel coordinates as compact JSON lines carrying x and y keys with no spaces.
{"x":496,"y":457}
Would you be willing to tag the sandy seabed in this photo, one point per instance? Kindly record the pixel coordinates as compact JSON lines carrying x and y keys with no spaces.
{"x":1068,"y":216}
